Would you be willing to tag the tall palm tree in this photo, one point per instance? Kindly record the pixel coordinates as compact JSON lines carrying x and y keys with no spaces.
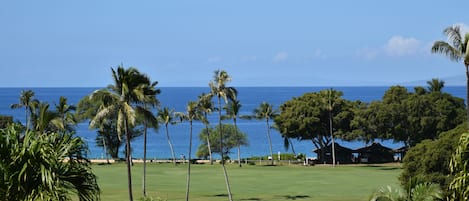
{"x":166,"y":116}
{"x":192,"y":113}
{"x":435,"y":85}
{"x":457,"y":49}
{"x":266,"y":112}
{"x":232,"y":111}
{"x":147,"y":100}
{"x":205,"y":105}
{"x":128,"y":89}
{"x":26,"y":100}
{"x":219,"y":89}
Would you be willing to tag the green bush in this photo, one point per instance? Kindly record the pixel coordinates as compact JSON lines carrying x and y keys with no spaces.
{"x":429,"y":160}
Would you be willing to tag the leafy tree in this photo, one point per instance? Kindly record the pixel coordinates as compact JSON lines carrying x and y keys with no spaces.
{"x":166,"y":116}
{"x":206,"y":106}
{"x":459,"y":187}
{"x":410,"y":117}
{"x":232,"y":138}
{"x":307,"y":118}
{"x":121,"y":98}
{"x":456,"y":49}
{"x":219,"y":90}
{"x":266,"y":112}
{"x":44,"y":167}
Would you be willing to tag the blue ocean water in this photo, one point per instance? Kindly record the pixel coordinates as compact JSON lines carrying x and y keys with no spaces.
{"x":178,"y":97}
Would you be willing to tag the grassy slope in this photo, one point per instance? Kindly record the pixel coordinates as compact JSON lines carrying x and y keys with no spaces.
{"x":248,"y":183}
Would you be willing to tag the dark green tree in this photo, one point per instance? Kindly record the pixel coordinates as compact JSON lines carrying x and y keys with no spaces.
{"x":232,"y":138}
{"x":429,"y":160}
{"x":307,"y":118}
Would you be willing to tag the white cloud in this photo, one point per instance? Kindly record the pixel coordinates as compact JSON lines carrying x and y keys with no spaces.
{"x":396,"y":46}
{"x":279,"y":57}
{"x":400,"y":46}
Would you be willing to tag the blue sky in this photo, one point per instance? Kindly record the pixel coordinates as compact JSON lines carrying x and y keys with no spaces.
{"x":259,"y":43}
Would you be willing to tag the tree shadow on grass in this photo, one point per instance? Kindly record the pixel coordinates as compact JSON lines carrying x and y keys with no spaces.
{"x":251,"y":199}
{"x":226,"y":195}
{"x":383,"y":167}
{"x":295,"y":197}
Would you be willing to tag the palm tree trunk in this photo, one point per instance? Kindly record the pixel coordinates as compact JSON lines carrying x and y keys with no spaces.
{"x":332,"y":136}
{"x":189,"y":164}
{"x":145,"y":159}
{"x":129,"y":160}
{"x":208,"y":141}
{"x":270,"y":142}
{"x":105,"y":150}
{"x":239,"y":146}
{"x":467,"y":93}
{"x":230,"y":198}
{"x":170,"y":145}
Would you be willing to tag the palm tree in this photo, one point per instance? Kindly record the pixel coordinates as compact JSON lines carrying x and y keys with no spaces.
{"x":457,"y":49}
{"x":128,"y":88}
{"x":219,"y":89}
{"x":166,"y":116}
{"x":423,"y":191}
{"x":329,"y":100}
{"x":26,"y":100}
{"x":205,"y":105}
{"x":459,"y":186}
{"x":266,"y":112}
{"x":192,"y":113}
{"x":232,"y":111}
{"x":44,"y":167}
{"x":435,"y":85}
{"x":64,"y":111}
{"x":44,"y":120}
{"x":148,"y":99}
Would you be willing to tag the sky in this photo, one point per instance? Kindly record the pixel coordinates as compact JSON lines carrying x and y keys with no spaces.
{"x":258,"y":42}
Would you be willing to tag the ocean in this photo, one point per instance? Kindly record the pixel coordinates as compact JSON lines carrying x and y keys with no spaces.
{"x":178,"y":97}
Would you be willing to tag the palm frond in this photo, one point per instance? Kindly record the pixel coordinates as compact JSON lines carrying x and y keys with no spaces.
{"x":454,"y":35}
{"x":442,"y":47}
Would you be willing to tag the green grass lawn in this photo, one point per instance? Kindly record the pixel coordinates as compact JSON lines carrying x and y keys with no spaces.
{"x":250,"y":182}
